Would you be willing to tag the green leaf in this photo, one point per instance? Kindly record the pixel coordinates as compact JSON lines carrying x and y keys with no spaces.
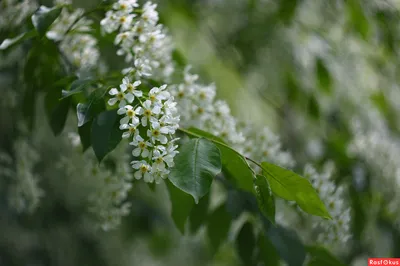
{"x":323,"y":76}
{"x":267,"y":252}
{"x":84,"y":134}
{"x":44,"y":17}
{"x":56,"y":111}
{"x":106,"y":134}
{"x":77,"y":86}
{"x":199,"y":214}
{"x":232,"y":162}
{"x":201,"y":133}
{"x":288,"y":245}
{"x":196,"y":165}
{"x":357,"y":18}
{"x":265,"y":198}
{"x":313,"y":107}
{"x":245,"y":244}
{"x":218,"y":226}
{"x":29,"y":106}
{"x":86,"y":111}
{"x":287,"y":9}
{"x":9,"y":43}
{"x":181,"y":205}
{"x":290,"y":186}
{"x":321,"y":256}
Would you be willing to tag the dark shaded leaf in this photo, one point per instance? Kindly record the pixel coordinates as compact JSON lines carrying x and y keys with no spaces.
{"x":196,"y":165}
{"x":323,"y":76}
{"x":267,"y":252}
{"x":218,"y":226}
{"x":313,"y":107}
{"x":199,"y":213}
{"x":84,"y":134}
{"x":77,"y":86}
{"x":288,"y":245}
{"x":245,"y":244}
{"x":86,"y":111}
{"x":44,"y":17}
{"x":181,"y":205}
{"x":9,"y":43}
{"x":105,"y":135}
{"x":56,"y":110}
{"x":287,"y":9}
{"x":321,"y":256}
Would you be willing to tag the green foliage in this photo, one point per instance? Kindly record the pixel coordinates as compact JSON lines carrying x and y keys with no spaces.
{"x":266,"y":251}
{"x":197,"y":164}
{"x":56,"y":111}
{"x":9,"y":43}
{"x":246,"y":243}
{"x":323,"y":76}
{"x":233,"y":163}
{"x":199,"y":213}
{"x":77,"y":86}
{"x":357,"y":18}
{"x":287,"y":245}
{"x":320,"y":256}
{"x":181,"y":205}
{"x":94,"y":105}
{"x":265,"y":198}
{"x":84,"y":134}
{"x":106,"y":134}
{"x":290,"y":186}
{"x":44,"y":17}
{"x":218,"y":226}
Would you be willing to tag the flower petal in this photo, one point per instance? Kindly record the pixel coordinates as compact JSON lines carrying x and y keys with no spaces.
{"x":129,"y":97}
{"x":112,"y":101}
{"x":113,"y":91}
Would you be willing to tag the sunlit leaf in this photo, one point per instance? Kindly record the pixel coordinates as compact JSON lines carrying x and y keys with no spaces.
{"x":265,"y":198}
{"x":290,"y":186}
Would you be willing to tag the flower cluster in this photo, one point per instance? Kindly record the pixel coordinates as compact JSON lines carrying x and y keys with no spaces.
{"x":143,"y":42}
{"x":76,"y":42}
{"x":381,"y":151}
{"x":264,"y":145}
{"x":107,"y":188}
{"x":14,"y":12}
{"x":149,"y":121}
{"x":24,"y":194}
{"x":199,"y":108}
{"x":337,"y":230}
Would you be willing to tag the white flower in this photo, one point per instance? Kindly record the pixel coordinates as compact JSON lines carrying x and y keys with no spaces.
{"x":157,"y":95}
{"x":142,"y":147}
{"x":149,"y":112}
{"x":131,"y":130}
{"x":157,"y":133}
{"x":125,"y":6}
{"x":130,"y":115}
{"x":143,"y":171}
{"x":121,"y":96}
{"x":150,"y":15}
